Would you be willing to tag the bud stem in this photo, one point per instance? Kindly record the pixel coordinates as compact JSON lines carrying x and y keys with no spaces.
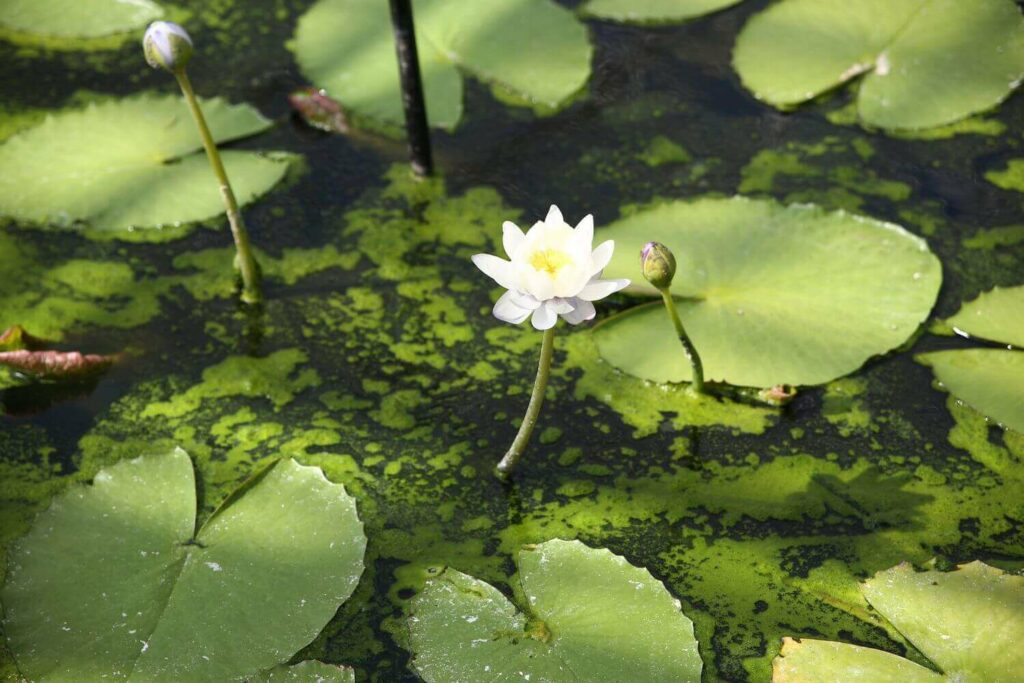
{"x":246,"y":261}
{"x":515,"y":451}
{"x":697,"y":383}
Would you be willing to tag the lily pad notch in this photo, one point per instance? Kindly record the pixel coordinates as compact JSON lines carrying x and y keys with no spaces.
{"x":131,"y":169}
{"x":990,"y":380}
{"x":591,"y":617}
{"x":153,"y":598}
{"x":920,"y":63}
{"x":769,"y":294}
{"x":533,"y":52}
{"x":967,"y":623}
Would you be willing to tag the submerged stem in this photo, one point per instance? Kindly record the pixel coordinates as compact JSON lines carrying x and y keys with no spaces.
{"x":515,"y":451}
{"x":697,"y":383}
{"x":246,"y":261}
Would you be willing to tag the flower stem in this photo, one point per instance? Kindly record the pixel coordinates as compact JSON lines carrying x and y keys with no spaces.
{"x":246,"y":261}
{"x":697,"y":383}
{"x":515,"y":451}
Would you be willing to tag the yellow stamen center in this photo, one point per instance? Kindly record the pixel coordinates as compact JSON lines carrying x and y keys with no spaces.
{"x":550,"y":260}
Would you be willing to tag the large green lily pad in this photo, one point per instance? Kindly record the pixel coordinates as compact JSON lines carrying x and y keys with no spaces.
{"x":990,"y":380}
{"x":591,"y":616}
{"x":967,"y":623}
{"x":533,"y":48}
{"x":78,"y":18}
{"x":769,"y":294}
{"x":150,"y":598}
{"x":130,"y":164}
{"x":653,"y":11}
{"x":924,"y":63}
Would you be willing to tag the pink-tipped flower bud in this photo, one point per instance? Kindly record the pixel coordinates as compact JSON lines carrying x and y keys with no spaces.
{"x":658,"y":264}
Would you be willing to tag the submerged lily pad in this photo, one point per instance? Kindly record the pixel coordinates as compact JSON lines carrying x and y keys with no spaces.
{"x":769,"y":294}
{"x":124,"y":165}
{"x":151,"y":598}
{"x":966,"y":622}
{"x":78,"y":18}
{"x":533,"y":48}
{"x":990,"y":380}
{"x":653,"y":11}
{"x":924,"y":63}
{"x":591,"y":616}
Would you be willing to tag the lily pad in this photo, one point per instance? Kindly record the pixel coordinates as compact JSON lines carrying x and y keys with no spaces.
{"x":56,"y":365}
{"x":533,"y":48}
{"x":78,"y":18}
{"x":653,"y":11}
{"x":924,"y":63}
{"x":151,"y":598}
{"x":769,"y":294}
{"x":307,"y":672}
{"x":990,"y":380}
{"x":129,"y":164}
{"x":966,"y":622}
{"x":592,"y":616}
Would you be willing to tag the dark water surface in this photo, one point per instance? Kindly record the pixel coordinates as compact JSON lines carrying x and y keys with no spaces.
{"x":760,"y":521}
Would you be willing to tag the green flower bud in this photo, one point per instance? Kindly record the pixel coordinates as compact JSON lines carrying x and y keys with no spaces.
{"x":167,"y":46}
{"x":658,"y":264}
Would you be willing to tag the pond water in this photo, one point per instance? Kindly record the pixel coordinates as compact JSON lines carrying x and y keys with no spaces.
{"x":378,"y":359}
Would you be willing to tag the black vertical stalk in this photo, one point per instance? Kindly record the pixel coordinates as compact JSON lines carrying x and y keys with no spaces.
{"x":412,"y":87}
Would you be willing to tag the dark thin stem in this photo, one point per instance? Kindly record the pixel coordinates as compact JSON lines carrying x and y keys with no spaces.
{"x":246,"y":261}
{"x":412,"y":87}
{"x":697,"y":383}
{"x":515,"y":451}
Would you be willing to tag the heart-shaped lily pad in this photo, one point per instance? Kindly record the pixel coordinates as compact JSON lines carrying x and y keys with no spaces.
{"x":653,"y":11}
{"x":533,"y":48}
{"x":990,"y":380}
{"x":769,"y":294}
{"x":924,"y":63}
{"x":590,"y":616}
{"x":967,"y":623}
{"x":129,"y":164}
{"x":78,"y":18}
{"x":114,"y":581}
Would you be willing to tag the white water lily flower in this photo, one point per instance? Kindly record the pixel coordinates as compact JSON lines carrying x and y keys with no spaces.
{"x":554,"y":271}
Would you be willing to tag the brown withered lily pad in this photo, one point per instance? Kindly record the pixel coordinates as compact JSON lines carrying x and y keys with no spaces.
{"x":28,"y":355}
{"x":56,"y":365}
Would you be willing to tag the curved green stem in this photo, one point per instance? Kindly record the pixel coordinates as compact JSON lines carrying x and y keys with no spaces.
{"x":515,"y":451}
{"x":688,"y":348}
{"x":246,"y":261}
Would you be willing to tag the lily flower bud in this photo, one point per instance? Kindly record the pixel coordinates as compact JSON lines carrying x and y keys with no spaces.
{"x":167,"y":46}
{"x":658,"y":264}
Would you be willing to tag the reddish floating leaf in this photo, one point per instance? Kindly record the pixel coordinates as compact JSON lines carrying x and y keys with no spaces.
{"x":56,"y":364}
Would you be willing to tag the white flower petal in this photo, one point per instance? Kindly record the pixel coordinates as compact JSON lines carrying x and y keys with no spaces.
{"x":583,"y":310}
{"x":601,"y":257}
{"x":538,"y":284}
{"x":511,"y":237}
{"x":507,"y":311}
{"x":554,"y":218}
{"x":497,"y":269}
{"x":599,"y":289}
{"x":524,"y":300}
{"x":560,"y":306}
{"x":585,"y":232}
{"x":544,"y":318}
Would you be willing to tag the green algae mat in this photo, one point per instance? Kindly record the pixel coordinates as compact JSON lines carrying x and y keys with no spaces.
{"x":693,"y":537}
